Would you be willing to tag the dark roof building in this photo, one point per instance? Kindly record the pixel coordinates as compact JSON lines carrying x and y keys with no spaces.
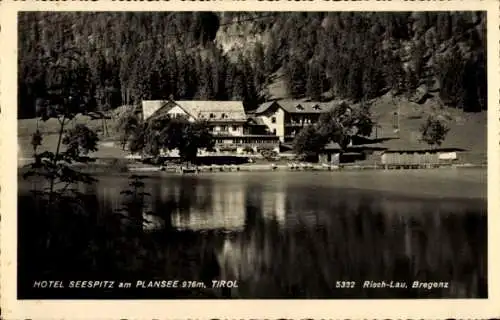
{"x":295,"y":106}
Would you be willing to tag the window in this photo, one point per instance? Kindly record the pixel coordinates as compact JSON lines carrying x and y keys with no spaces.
{"x":395,"y":120}
{"x":235,"y":128}
{"x":299,"y":107}
{"x":273,"y":120}
{"x":223,"y":128}
{"x":212,"y":115}
{"x":223,"y":116}
{"x":274,"y":131}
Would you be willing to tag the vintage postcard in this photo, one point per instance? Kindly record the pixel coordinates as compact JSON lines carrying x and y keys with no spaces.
{"x":249,"y":159}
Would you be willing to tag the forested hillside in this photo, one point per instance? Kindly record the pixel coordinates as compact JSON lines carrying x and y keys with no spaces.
{"x":133,"y":56}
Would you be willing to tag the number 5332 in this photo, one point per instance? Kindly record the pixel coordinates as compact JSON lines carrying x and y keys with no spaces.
{"x":345,"y":284}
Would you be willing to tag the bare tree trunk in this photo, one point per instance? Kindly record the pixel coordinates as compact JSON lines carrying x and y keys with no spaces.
{"x":52,"y":180}
{"x":104,"y":126}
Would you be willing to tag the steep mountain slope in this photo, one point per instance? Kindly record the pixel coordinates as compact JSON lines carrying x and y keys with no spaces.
{"x":413,"y":50}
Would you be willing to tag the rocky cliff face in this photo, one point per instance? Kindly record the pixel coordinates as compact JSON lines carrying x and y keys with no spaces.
{"x":422,"y":42}
{"x":240,"y":32}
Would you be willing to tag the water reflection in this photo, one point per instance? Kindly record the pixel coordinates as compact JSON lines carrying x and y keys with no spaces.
{"x":204,"y":204}
{"x":286,"y":239}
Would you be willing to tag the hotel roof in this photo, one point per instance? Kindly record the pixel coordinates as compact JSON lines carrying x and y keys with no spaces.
{"x":198,"y":109}
{"x":296,"y":106}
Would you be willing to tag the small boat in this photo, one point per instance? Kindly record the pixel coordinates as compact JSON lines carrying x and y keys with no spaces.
{"x":145,"y":169}
{"x":292,"y":166}
{"x":327,"y":166}
{"x":189,"y":170}
{"x":133,"y":157}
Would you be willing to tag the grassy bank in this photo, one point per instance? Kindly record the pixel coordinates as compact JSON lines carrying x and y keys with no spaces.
{"x":101,"y":166}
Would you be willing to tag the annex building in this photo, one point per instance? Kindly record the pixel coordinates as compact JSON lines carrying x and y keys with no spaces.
{"x":286,"y":118}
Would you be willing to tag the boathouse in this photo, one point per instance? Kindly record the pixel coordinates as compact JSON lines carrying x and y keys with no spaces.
{"x":419,"y":157}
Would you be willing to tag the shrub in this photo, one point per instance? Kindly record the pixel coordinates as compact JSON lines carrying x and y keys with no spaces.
{"x":248,"y":149}
{"x":434,"y":131}
{"x":269,"y":154}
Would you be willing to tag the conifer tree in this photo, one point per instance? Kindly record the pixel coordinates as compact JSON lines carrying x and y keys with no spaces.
{"x":394,"y":73}
{"x":193,"y":81}
{"x":354,"y":83}
{"x":271,"y":59}
{"x":444,"y":23}
{"x":418,"y":59}
{"x":481,"y":79}
{"x":205,"y":89}
{"x":182,"y":76}
{"x":451,"y":77}
{"x":222,"y":69}
{"x":296,"y":77}
{"x":172,"y":72}
{"x":235,"y":83}
{"x":260,"y":67}
{"x":314,"y":86}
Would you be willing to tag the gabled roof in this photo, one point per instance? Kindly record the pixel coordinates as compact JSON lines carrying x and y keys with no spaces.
{"x":149,"y":107}
{"x":296,"y":106}
{"x":256,"y":121}
{"x":214,"y":110}
{"x":208,"y":110}
{"x":265,"y":106}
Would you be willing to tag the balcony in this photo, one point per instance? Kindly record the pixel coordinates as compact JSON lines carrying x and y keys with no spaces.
{"x":222,"y":133}
{"x":296,"y":124}
{"x":247,"y":140}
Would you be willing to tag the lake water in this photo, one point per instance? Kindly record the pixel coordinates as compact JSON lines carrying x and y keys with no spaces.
{"x":296,"y":234}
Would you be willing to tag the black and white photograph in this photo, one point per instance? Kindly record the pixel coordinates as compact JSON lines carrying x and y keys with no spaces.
{"x":252,"y":155}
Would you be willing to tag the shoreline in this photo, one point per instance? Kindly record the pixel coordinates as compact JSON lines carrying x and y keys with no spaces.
{"x":309,"y":168}
{"x":125,"y":166}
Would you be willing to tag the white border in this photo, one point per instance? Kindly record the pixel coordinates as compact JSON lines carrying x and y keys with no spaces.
{"x":156,"y":309}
